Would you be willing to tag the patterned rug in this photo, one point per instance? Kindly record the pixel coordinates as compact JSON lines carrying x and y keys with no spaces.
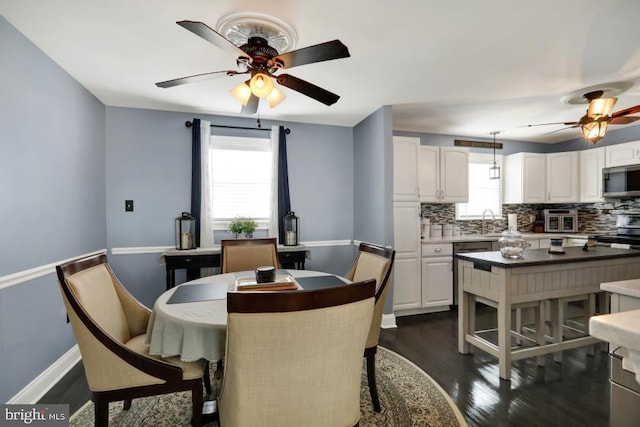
{"x":408,"y":396}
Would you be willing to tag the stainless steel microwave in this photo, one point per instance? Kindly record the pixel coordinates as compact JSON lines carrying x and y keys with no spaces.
{"x":621,"y":181}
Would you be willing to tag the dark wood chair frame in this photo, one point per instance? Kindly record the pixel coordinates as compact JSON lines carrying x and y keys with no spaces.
{"x":171,"y":374}
{"x":288,"y":301}
{"x":370,"y":352}
{"x":247,"y":242}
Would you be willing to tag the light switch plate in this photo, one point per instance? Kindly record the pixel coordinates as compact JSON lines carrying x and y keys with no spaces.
{"x":128,"y":205}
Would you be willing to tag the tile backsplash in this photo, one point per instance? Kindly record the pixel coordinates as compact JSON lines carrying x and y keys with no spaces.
{"x":593,"y":218}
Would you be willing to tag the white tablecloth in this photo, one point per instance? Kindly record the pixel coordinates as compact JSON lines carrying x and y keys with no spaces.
{"x":195,"y":330}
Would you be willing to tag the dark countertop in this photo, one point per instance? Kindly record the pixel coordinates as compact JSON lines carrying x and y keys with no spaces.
{"x":541,"y":256}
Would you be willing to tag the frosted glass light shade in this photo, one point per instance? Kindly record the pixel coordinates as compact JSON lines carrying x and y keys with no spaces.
{"x":601,"y":107}
{"x":275,"y":97}
{"x":242,"y":92}
{"x":261,"y":85}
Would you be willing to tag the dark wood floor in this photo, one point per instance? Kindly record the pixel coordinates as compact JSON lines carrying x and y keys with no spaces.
{"x":572,"y":393}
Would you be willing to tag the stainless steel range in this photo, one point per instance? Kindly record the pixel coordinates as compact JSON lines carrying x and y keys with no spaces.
{"x":627,"y":231}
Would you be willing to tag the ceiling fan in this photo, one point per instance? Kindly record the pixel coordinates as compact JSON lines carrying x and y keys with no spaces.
{"x":262,"y":62}
{"x":598,"y":116}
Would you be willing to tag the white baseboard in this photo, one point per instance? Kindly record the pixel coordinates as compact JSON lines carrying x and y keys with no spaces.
{"x":389,"y":321}
{"x":33,"y":392}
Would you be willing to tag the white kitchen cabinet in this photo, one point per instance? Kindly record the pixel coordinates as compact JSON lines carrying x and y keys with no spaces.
{"x":443,"y":174}
{"x":406,"y":267}
{"x":627,"y":153}
{"x":405,"y":168}
{"x":562,"y":177}
{"x":541,"y":178}
{"x":524,"y":178}
{"x":437,"y":281}
{"x":591,"y":164}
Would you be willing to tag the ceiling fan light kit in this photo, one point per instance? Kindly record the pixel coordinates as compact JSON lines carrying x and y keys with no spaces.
{"x":595,"y":130}
{"x":252,"y":40}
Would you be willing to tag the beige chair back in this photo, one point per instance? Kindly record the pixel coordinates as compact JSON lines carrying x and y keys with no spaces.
{"x":248,"y":254}
{"x":373,"y":262}
{"x":295,"y":358}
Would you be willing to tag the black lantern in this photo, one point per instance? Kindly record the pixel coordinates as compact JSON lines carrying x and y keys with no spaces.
{"x":185,"y":231}
{"x":290,"y":229}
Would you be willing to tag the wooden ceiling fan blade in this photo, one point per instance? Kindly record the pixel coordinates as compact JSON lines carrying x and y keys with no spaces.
{"x":548,"y":124}
{"x":308,"y":55}
{"x":308,"y":89}
{"x":195,"y":78}
{"x":623,"y":120}
{"x":252,"y":105}
{"x":212,"y":36}
{"x":626,"y":111}
{"x":560,"y":130}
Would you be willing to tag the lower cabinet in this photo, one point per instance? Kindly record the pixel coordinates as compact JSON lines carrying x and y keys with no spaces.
{"x":437,"y":282}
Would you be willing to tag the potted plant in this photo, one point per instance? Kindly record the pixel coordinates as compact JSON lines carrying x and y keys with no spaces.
{"x":241,"y":225}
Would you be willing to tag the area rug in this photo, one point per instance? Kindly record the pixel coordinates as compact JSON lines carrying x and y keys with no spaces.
{"x":408,"y":396}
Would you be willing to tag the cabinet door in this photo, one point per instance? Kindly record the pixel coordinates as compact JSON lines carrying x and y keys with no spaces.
{"x":406,"y":283}
{"x":437,"y":281}
{"x":405,"y":168}
{"x":533,"y":178}
{"x":623,"y":154}
{"x":562,"y":177}
{"x":454,"y":174}
{"x":591,"y":164}
{"x":406,"y":228}
{"x":429,"y":173}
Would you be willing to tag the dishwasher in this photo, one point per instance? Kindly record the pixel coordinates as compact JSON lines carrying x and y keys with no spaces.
{"x":466,"y":247}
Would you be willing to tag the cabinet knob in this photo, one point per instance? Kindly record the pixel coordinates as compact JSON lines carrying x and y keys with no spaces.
{"x":437,"y":250}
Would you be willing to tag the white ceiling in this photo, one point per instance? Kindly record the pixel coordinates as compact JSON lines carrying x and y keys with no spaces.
{"x":463,"y":68}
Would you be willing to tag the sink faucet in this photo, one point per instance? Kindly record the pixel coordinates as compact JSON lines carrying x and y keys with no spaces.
{"x":493,"y":217}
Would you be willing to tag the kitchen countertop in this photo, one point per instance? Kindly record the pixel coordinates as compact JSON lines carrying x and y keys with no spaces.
{"x":624,"y":287}
{"x":495,"y":236}
{"x":541,"y":256}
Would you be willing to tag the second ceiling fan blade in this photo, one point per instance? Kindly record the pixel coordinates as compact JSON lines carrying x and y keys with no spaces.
{"x":622,"y":120}
{"x":548,"y":124}
{"x":195,"y":78}
{"x":627,"y":111}
{"x":309,"y":89}
{"x":308,"y":55}
{"x":209,"y":34}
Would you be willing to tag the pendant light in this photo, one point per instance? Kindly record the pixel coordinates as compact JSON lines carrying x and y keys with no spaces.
{"x":494,"y":171}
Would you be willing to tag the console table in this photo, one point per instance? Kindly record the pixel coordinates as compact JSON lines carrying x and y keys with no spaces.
{"x":194,"y":259}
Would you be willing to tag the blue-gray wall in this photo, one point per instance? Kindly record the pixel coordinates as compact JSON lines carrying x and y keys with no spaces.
{"x":52,"y":200}
{"x":373,"y":182}
{"x":149,"y":161}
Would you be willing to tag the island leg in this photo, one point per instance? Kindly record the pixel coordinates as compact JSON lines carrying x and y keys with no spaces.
{"x":504,"y":340}
{"x":466,"y":320}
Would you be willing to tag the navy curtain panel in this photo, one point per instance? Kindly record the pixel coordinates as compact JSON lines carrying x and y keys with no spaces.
{"x":196,"y":177}
{"x":284,"y":202}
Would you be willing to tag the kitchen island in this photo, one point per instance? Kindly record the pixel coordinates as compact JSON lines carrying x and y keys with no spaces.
{"x":507,"y":284}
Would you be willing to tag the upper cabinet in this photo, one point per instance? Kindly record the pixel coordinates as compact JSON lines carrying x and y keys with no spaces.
{"x":622,"y":154}
{"x":524,"y":178}
{"x":562,"y":177}
{"x":405,"y":168}
{"x":541,"y":178}
{"x":443,"y":174}
{"x":591,"y":164}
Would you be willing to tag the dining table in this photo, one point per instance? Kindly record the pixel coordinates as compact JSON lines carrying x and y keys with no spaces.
{"x":190,"y":320}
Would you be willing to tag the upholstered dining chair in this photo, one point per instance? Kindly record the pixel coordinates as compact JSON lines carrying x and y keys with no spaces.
{"x":248,"y":254}
{"x":294,"y":358}
{"x":110,"y":327}
{"x":373,"y":262}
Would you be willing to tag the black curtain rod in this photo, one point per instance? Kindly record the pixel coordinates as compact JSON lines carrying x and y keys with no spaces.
{"x":189,"y":124}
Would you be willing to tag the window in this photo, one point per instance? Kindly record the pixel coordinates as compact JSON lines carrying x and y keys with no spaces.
{"x":241,"y":176}
{"x":484,"y":193}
